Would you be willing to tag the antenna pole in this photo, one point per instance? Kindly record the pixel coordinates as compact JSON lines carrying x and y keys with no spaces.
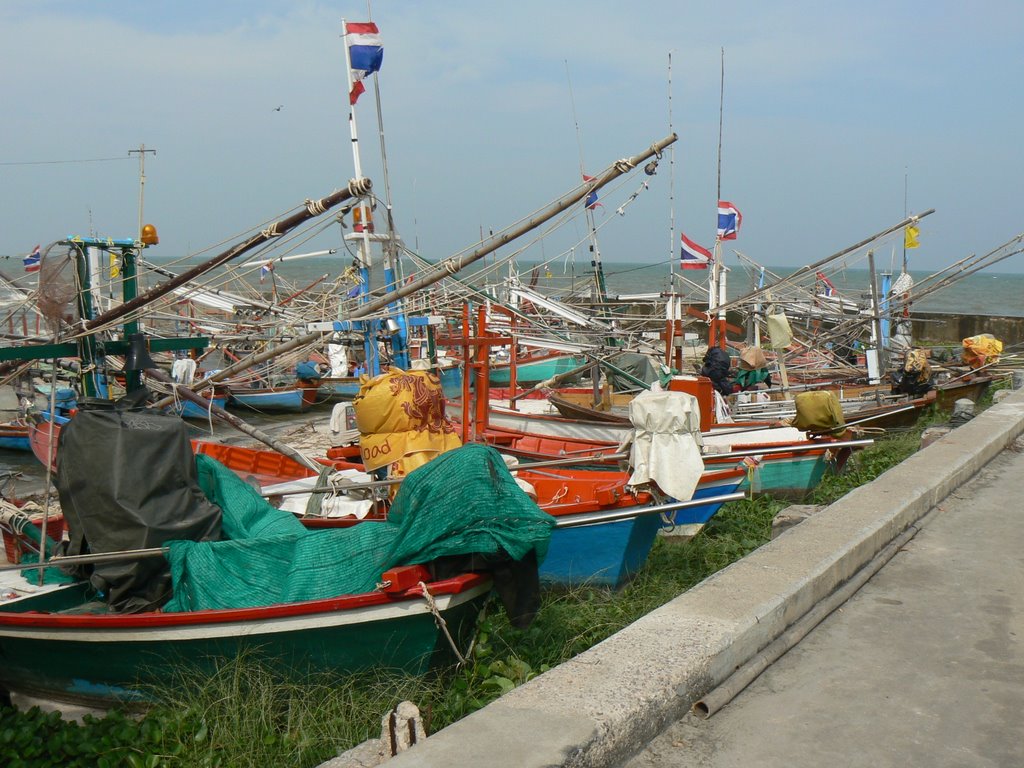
{"x":141,"y":152}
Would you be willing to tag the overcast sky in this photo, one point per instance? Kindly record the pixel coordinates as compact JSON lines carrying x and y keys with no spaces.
{"x":831,"y":112}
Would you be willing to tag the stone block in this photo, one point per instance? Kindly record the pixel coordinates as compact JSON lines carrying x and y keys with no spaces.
{"x":793,"y":515}
{"x":932,"y":434}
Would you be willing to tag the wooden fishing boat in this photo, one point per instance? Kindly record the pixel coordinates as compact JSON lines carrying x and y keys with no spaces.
{"x":291,"y":398}
{"x":189,"y":410}
{"x":534,"y":369}
{"x":609,"y":554}
{"x":55,"y":651}
{"x":14,"y":436}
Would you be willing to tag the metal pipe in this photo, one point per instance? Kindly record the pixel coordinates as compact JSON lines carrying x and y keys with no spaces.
{"x":628,"y":513}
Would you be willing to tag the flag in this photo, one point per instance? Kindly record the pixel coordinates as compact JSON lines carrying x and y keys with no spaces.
{"x":729,"y":220}
{"x":31,"y":261}
{"x":910,"y":233}
{"x":693,"y":256}
{"x":365,"y":54}
{"x":827,"y":288}
{"x":591,"y":201}
{"x":266,"y":269}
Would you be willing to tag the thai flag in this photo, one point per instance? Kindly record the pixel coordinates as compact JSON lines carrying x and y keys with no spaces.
{"x":365,"y":54}
{"x":591,"y":201}
{"x":826,"y":285}
{"x":693,"y":256}
{"x":265,"y":270}
{"x":729,"y":220}
{"x":31,"y":261}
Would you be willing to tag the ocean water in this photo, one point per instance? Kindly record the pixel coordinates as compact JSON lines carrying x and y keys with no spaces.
{"x":983,"y":293}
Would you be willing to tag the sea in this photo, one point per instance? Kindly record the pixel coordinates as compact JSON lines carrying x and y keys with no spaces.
{"x":982,"y":293}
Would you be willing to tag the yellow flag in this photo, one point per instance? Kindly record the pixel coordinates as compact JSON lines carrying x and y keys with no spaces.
{"x":910,"y":234}
{"x":115,"y":266}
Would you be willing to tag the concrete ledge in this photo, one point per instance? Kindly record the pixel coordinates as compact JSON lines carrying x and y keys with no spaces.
{"x":602,"y":706}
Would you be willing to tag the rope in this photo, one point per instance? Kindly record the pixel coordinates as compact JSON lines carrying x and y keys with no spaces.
{"x":441,"y":623}
{"x":271,"y":231}
{"x":315,"y":207}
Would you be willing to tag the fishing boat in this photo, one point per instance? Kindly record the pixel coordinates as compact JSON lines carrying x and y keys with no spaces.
{"x":534,"y":369}
{"x":56,"y":651}
{"x":290,"y":398}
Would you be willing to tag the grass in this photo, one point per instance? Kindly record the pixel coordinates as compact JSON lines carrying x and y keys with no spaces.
{"x":246,"y":714}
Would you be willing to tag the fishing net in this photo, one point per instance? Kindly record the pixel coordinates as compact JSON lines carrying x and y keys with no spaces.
{"x":58,"y":286}
{"x":463,"y":502}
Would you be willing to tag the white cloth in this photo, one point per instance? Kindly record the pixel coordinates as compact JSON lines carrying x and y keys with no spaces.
{"x":666,"y":442}
{"x":337,"y":354}
{"x":183,"y":371}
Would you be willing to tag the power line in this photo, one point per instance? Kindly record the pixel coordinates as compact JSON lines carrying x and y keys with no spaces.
{"x":58,"y":162}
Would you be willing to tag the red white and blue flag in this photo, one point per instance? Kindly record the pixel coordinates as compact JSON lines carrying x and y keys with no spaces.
{"x":31,"y":261}
{"x":729,"y":220}
{"x":693,"y":256}
{"x":266,"y":269}
{"x":591,"y":202}
{"x":827,"y":289}
{"x":365,"y":54}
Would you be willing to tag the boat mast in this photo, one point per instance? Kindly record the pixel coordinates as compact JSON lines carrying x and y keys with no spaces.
{"x":362,"y":216}
{"x":716,"y":292}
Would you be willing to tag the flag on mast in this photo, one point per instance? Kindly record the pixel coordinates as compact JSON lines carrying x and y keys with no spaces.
{"x":591,"y":203}
{"x":365,"y":54}
{"x":31,"y":261}
{"x":910,"y":235}
{"x":729,"y":220}
{"x":827,"y":288}
{"x":693,"y":256}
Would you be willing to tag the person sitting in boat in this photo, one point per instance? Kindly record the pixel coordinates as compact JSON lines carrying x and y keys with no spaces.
{"x":716,"y":367}
{"x":752,"y":371}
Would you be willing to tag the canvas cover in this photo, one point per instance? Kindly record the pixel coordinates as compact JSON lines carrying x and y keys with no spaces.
{"x":981,"y":350}
{"x":819,"y":412}
{"x":667,"y":443}
{"x":127,"y":480}
{"x":401,"y":421}
{"x":462,"y":503}
{"x":779,"y":332}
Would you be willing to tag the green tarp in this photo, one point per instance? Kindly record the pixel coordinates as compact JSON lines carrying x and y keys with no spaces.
{"x":465,"y":501}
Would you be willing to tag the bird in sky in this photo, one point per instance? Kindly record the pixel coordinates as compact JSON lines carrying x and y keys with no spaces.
{"x":278,"y":108}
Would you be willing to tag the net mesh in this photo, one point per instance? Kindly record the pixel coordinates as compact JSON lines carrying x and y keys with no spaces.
{"x":463,"y":502}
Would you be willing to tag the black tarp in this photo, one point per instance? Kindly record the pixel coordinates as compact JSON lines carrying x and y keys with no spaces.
{"x":127,"y":480}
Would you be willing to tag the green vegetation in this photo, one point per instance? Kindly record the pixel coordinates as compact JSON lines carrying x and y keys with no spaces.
{"x":246,"y":715}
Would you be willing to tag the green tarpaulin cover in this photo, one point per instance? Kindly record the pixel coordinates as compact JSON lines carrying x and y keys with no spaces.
{"x":465,"y":501}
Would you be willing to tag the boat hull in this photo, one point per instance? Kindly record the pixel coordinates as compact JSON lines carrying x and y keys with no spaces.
{"x":101,"y":660}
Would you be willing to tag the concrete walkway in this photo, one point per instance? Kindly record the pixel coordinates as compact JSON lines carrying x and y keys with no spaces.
{"x":610,"y":703}
{"x":924,"y":666}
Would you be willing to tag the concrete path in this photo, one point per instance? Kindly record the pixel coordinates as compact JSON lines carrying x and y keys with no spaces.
{"x":924,"y":666}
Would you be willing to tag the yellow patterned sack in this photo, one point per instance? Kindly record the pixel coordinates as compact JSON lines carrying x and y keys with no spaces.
{"x":401,"y":421}
{"x":981,"y":350}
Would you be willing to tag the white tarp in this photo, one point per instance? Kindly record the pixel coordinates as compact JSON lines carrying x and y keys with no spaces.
{"x":667,"y":442}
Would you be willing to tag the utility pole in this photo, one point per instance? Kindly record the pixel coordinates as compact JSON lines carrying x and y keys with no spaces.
{"x":141,"y":152}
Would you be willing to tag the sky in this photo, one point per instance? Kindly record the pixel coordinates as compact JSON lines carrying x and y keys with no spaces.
{"x":837,"y":119}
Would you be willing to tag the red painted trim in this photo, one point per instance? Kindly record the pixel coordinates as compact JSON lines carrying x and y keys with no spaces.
{"x":156,"y":619}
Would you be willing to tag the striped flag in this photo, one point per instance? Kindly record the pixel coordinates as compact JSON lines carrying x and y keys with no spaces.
{"x":729,"y":220}
{"x":365,"y":54}
{"x":31,"y":261}
{"x":693,"y":256}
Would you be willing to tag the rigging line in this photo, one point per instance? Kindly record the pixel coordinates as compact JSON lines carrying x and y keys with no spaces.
{"x":64,"y":162}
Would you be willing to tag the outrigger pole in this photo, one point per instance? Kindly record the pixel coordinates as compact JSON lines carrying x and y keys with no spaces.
{"x":449,"y":266}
